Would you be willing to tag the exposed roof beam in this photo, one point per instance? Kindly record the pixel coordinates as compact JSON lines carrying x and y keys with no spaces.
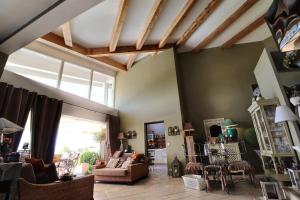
{"x":230,"y":20}
{"x":251,"y":27}
{"x":187,"y":7}
{"x":152,"y":18}
{"x":104,"y":51}
{"x":112,"y":62}
{"x":198,"y":21}
{"x":119,"y":23}
{"x":58,"y":42}
{"x":66,"y":29}
{"x":131,"y":60}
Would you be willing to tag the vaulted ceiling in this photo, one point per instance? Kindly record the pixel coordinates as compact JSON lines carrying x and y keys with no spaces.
{"x":120,"y":32}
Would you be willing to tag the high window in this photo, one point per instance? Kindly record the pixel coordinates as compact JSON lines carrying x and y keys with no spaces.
{"x":66,"y":76}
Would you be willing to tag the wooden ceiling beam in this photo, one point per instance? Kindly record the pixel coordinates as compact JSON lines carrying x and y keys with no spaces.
{"x":152,"y":18}
{"x":131,"y":60}
{"x":66,"y":29}
{"x":183,"y":12}
{"x":198,"y":21}
{"x":112,"y":62}
{"x":230,"y":20}
{"x":104,"y":51}
{"x":58,"y":42}
{"x":251,"y":27}
{"x":119,"y":23}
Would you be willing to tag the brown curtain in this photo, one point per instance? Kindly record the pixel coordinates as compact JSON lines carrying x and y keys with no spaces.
{"x":45,"y":121}
{"x":113,"y":128}
{"x":15,"y":105}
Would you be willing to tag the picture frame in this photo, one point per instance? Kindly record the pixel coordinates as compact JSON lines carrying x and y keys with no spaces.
{"x":210,"y":123}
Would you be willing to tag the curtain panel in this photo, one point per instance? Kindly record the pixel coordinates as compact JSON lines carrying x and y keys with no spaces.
{"x":45,"y":121}
{"x":15,"y":105}
{"x":113,"y":128}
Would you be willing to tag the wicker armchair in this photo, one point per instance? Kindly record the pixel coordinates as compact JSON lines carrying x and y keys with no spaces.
{"x":81,"y":188}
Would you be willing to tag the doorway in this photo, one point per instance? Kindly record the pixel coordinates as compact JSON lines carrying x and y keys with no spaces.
{"x":155,"y":144}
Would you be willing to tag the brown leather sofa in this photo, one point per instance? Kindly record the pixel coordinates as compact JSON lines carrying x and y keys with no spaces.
{"x":133,"y":173}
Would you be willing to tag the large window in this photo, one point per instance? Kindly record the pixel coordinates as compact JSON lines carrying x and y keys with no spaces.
{"x":101,"y":89}
{"x":78,"y":135}
{"x":35,"y":66}
{"x":64,"y":75}
{"x":75,"y":79}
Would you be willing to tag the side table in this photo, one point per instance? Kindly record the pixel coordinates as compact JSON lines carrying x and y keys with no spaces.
{"x":9,"y":174}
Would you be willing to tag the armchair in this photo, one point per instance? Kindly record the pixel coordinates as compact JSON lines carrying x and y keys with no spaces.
{"x":44,"y":173}
{"x":81,"y":188}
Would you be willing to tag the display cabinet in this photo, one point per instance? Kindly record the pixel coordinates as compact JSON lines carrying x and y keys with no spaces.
{"x":273,"y":138}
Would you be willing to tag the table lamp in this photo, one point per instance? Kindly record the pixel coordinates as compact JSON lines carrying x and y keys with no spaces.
{"x":230,"y":128}
{"x":187,"y":127}
{"x":121,"y":137}
{"x":8,"y":127}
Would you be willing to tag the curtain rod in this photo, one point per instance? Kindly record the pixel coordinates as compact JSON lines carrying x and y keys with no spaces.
{"x":85,"y":108}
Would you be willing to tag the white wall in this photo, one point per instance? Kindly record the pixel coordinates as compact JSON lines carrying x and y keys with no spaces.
{"x":270,"y":85}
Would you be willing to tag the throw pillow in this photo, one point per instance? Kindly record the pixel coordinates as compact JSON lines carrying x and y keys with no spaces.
{"x":117,"y":154}
{"x":37,"y":164}
{"x":126,"y":164}
{"x":112,"y":163}
{"x":120,"y":163}
{"x":137,"y":157}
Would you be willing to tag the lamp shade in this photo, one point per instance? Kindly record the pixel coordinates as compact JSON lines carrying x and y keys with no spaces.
{"x":283,"y":114}
{"x":188,"y":127}
{"x":229,"y":123}
{"x":120,"y":136}
{"x":9,"y":127}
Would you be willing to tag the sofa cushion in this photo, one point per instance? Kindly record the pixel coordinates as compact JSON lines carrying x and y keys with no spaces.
{"x":117,"y":154}
{"x":110,"y":172}
{"x":112,"y":163}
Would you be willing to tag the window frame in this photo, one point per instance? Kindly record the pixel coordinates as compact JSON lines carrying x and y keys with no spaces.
{"x":90,"y":86}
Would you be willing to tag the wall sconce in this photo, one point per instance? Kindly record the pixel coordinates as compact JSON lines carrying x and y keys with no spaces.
{"x":131,"y":135}
{"x":173,"y":131}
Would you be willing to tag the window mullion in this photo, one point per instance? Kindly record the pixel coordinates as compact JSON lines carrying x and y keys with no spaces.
{"x":60,"y":73}
{"x":91,"y":84}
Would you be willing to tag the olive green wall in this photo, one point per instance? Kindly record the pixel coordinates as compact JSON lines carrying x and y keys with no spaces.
{"x":3,"y":59}
{"x":217,"y":83}
{"x":147,"y":93}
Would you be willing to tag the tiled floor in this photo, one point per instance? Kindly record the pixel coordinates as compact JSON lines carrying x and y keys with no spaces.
{"x":167,"y":188}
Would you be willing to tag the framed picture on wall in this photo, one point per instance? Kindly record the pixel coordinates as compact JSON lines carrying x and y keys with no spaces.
{"x":213,"y":127}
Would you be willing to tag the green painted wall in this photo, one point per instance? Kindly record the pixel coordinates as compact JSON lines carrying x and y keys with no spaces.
{"x":3,"y":59}
{"x":146,"y":93}
{"x":217,"y":83}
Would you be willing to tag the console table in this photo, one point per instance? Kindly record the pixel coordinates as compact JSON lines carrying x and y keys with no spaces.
{"x":9,"y":174}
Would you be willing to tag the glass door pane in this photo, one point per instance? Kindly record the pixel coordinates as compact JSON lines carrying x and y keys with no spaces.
{"x":278,"y":132}
{"x":263,"y":129}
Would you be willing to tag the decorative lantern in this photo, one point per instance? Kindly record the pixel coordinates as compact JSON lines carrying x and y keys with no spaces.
{"x":270,"y":189}
{"x":295,"y":177}
{"x":176,"y":167}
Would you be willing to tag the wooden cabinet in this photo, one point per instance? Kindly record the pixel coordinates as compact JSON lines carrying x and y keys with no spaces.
{"x":273,"y":138}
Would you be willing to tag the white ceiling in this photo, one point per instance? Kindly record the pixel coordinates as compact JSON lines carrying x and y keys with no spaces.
{"x":93,"y":28}
{"x":14,"y":14}
{"x":24,"y":21}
